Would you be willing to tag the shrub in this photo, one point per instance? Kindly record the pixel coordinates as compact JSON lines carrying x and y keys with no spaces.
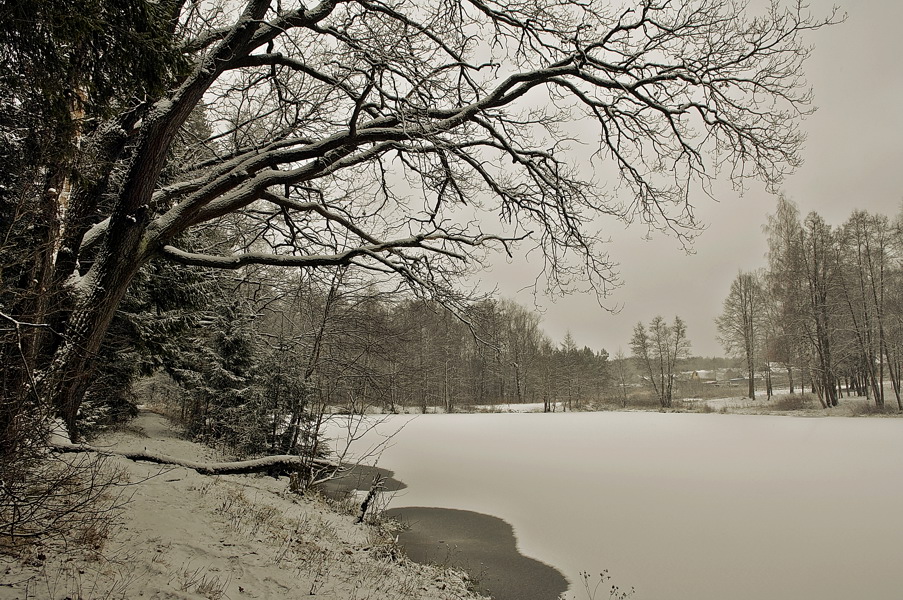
{"x":643,"y":399}
{"x":867,"y":408}
{"x":66,"y":499}
{"x":794,"y":402}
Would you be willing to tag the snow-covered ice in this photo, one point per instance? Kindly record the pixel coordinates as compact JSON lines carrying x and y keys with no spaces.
{"x":681,"y":506}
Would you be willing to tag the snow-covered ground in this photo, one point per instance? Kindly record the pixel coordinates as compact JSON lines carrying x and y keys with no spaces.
{"x":185,"y":535}
{"x":681,"y":506}
{"x":481,"y":408}
{"x":530,"y":407}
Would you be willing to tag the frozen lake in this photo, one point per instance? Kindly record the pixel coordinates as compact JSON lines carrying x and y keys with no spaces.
{"x":680,"y":506}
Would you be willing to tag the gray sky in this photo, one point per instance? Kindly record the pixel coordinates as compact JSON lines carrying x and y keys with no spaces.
{"x":853,"y":159}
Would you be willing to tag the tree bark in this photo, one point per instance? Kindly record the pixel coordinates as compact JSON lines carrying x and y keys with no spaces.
{"x":67,"y":377}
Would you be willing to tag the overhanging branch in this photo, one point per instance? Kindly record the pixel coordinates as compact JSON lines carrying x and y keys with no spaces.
{"x":374,"y":251}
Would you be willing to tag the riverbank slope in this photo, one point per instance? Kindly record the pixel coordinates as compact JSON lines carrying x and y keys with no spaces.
{"x":180,"y":534}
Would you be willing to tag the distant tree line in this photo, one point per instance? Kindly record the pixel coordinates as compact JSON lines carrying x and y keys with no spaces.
{"x":259,"y":359}
{"x":828,"y":308}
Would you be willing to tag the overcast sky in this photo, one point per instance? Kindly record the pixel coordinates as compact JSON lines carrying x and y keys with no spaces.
{"x":853,"y":159}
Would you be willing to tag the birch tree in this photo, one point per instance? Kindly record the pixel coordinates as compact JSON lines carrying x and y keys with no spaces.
{"x":785,"y":287}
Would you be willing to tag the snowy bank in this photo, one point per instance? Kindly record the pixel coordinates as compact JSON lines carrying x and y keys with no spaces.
{"x":186,"y":535}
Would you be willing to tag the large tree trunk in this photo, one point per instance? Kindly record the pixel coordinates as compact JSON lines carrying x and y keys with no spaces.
{"x":96,"y":298}
{"x":125,"y":248}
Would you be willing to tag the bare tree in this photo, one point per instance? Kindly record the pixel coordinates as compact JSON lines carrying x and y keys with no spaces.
{"x":521,"y":345}
{"x":820,"y":263}
{"x":895,"y":310}
{"x":548,"y":375}
{"x":622,"y":374}
{"x":741,"y":326}
{"x":866,"y":268}
{"x":369,"y":133}
{"x":832,"y":295}
{"x":657,"y":350}
{"x":804,"y":278}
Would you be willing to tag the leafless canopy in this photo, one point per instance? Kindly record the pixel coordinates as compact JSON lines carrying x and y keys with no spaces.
{"x":383,"y":132}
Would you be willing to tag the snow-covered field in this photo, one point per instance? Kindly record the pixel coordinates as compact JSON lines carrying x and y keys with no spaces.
{"x":681,"y":506}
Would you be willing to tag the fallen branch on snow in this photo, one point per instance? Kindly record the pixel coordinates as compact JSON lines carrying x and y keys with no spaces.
{"x":279,"y":464}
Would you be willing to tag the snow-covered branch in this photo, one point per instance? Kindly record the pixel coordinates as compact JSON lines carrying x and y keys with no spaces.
{"x":276,"y":464}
